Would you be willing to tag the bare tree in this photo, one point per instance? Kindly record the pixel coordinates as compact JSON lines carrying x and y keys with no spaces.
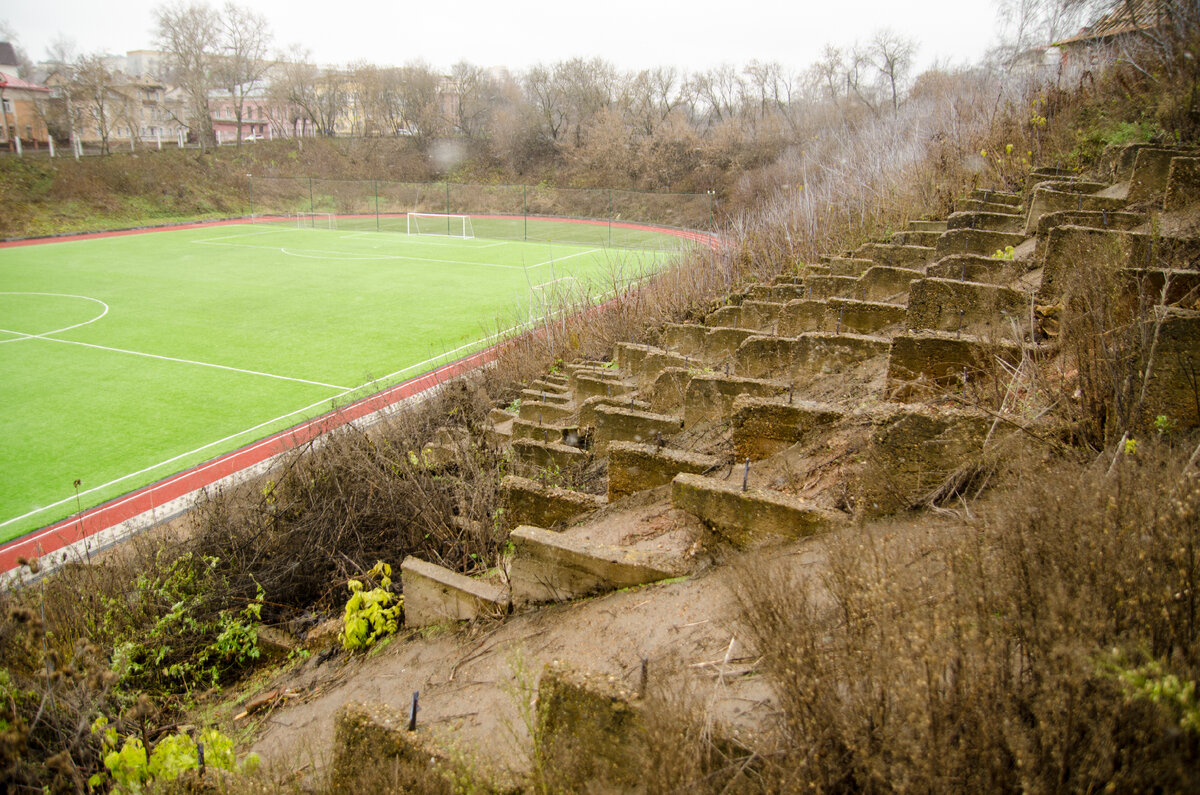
{"x":892,"y":54}
{"x":420,"y":101}
{"x":92,"y":84}
{"x":189,"y":36}
{"x":320,"y":95}
{"x":244,"y":39}
{"x":477,"y":95}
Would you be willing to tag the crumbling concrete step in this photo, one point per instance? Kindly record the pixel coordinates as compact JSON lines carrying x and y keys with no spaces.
{"x":728,"y":316}
{"x":885,"y":281}
{"x":926,"y":364}
{"x":1048,"y":200}
{"x":1067,"y":245}
{"x":589,"y":386}
{"x":974,"y":268}
{"x":809,"y":354}
{"x":1171,"y":386}
{"x":996,"y":196}
{"x":764,"y":426}
{"x":554,"y":388}
{"x":629,"y":356}
{"x":710,"y":397}
{"x":927,"y":226}
{"x":899,"y":256}
{"x":848,"y":266}
{"x":653,"y":364}
{"x":621,"y":424}
{"x":914,"y":450}
{"x":953,"y":305}
{"x":1117,"y":160}
{"x":634,"y":467}
{"x":1183,"y":184}
{"x":978,"y":206}
{"x":1043,"y":173}
{"x":998,"y":222}
{"x":434,"y":595}
{"x":759,"y":316}
{"x":911,"y":237}
{"x":1151,"y":168}
{"x":1096,"y":219}
{"x":498,"y":416}
{"x":550,"y":567}
{"x":800,"y":316}
{"x":556,"y":378}
{"x":538,"y":396}
{"x":531,"y":456}
{"x":826,"y":286}
{"x":861,"y":317}
{"x":528,"y":502}
{"x":541,"y":412}
{"x":744,"y":517}
{"x":667,"y":393}
{"x":976,"y":241}
{"x":587,"y":411}
{"x":545,"y":432}
{"x":684,"y":338}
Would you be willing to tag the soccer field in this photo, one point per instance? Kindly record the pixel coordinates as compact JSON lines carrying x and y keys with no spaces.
{"x":126,"y":359}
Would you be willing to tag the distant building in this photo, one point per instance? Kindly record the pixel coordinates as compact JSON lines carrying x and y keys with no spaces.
{"x":19,"y":98}
{"x":1121,"y":28}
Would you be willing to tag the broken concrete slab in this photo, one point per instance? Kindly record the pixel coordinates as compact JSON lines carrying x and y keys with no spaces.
{"x":926,"y":364}
{"x":530,"y":456}
{"x":1151,"y":168}
{"x":1115,"y":249}
{"x":1096,"y":219}
{"x":764,"y":426}
{"x":884,"y":281}
{"x":435,"y":595}
{"x":545,"y":432}
{"x":995,"y":196}
{"x":825,"y":286}
{"x":975,"y":268}
{"x":621,"y":424}
{"x":587,"y":411}
{"x":1048,"y":200}
{"x":861,"y":317}
{"x":667,"y":393}
{"x":550,"y":567}
{"x":899,"y":256}
{"x":807,"y":354}
{"x":537,"y":396}
{"x":1173,"y":386}
{"x":589,"y":386}
{"x":927,"y":226}
{"x":800,"y":316}
{"x":709,"y":396}
{"x":375,"y":734}
{"x":976,"y":241}
{"x":998,"y":222}
{"x":911,"y":237}
{"x":953,"y":305}
{"x":541,"y":412}
{"x":914,"y":451}
{"x":634,"y":467}
{"x":527,"y":501}
{"x":1183,"y":184}
{"x":848,"y":266}
{"x":684,"y":338}
{"x":742,"y":518}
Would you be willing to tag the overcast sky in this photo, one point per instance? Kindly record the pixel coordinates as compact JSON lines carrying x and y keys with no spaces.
{"x":631,"y":33}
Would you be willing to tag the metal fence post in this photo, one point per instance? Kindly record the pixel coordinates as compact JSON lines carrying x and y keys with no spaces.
{"x":447,"y":207}
{"x":610,"y":217}
{"x":375,"y":184}
{"x":525,"y":208}
{"x":312,"y":207}
{"x":250,"y":185}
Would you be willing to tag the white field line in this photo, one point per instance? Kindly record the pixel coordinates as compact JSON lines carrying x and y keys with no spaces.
{"x":367,"y":385}
{"x":556,"y":260}
{"x":257,"y":427}
{"x":190,"y":361}
{"x":332,"y":255}
{"x":23,"y":336}
{"x":239,"y":236}
{"x":473,"y":242}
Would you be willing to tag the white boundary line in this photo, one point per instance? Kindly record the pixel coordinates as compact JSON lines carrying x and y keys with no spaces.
{"x":188,"y":361}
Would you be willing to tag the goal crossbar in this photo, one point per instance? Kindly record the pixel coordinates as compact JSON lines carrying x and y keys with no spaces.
{"x":316,"y":221}
{"x":441,"y":224}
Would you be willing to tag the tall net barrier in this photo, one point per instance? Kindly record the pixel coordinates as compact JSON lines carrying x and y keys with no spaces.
{"x":586,"y":216}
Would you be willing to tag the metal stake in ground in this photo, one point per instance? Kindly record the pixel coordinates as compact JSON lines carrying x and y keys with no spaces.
{"x":412,"y":713}
{"x":746,"y":476}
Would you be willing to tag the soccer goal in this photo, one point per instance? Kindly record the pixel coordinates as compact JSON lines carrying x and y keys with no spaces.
{"x":444,"y":224}
{"x":316,"y":221}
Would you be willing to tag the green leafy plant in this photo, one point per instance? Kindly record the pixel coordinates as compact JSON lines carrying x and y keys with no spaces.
{"x":1008,"y":252}
{"x":131,"y":767}
{"x":1151,"y":683}
{"x":370,"y":615}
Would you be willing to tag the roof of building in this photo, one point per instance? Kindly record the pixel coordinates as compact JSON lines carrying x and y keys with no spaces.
{"x":8,"y":55}
{"x":1123,"y":18}
{"x":15,"y":82}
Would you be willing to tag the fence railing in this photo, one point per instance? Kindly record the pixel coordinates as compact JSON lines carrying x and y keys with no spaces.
{"x":516,"y":212}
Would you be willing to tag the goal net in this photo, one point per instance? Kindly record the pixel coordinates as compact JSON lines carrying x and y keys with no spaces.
{"x":443,"y":224}
{"x":316,"y":221}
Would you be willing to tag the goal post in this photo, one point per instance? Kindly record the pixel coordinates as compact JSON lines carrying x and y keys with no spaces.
{"x":316,"y":221}
{"x":440,"y":224}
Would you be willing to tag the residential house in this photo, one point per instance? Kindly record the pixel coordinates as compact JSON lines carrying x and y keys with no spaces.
{"x":19,"y":98}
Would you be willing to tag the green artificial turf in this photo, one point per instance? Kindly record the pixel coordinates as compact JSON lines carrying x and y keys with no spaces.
{"x":190,"y":343}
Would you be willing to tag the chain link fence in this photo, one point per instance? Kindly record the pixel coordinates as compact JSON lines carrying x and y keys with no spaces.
{"x":508,"y":212}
